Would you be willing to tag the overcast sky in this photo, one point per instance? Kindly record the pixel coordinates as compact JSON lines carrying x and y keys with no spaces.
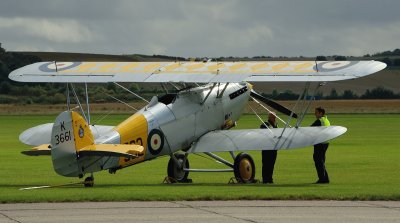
{"x":201,"y":28}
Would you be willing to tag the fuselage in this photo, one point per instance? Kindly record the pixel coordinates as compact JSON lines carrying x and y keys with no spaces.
{"x":173,"y":122}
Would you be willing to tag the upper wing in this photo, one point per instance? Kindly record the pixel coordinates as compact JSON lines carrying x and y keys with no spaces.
{"x":264,"y":139}
{"x":195,"y":72}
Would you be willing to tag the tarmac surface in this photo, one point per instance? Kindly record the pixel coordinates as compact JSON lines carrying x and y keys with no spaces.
{"x":204,"y":211}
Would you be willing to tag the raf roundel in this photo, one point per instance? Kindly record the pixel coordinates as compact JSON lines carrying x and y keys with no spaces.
{"x":155,"y":141}
{"x":58,"y":66}
{"x":334,"y":65}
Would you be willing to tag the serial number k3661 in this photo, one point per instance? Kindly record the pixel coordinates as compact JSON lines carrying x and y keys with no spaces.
{"x":63,"y":137}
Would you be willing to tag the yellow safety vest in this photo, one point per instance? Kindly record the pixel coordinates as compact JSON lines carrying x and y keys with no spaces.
{"x":325,"y":122}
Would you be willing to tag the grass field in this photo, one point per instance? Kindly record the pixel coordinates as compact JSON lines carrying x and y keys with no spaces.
{"x":363,"y":164}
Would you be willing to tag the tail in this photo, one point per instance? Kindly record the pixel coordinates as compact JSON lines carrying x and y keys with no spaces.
{"x":70,"y":133}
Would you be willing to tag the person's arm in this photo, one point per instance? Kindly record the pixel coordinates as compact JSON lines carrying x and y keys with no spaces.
{"x":264,"y":125}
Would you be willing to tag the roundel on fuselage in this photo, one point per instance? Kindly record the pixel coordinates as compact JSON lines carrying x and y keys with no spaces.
{"x":155,"y":141}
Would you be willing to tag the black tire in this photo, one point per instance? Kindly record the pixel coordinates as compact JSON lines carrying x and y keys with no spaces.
{"x":177,"y":173}
{"x":244,"y":168}
{"x":89,"y":182}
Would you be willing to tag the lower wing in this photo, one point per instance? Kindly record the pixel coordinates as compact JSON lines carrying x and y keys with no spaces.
{"x":265,"y":139}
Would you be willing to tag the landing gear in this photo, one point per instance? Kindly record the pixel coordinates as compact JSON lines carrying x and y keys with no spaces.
{"x":176,"y":168}
{"x":244,"y":168}
{"x":89,"y":181}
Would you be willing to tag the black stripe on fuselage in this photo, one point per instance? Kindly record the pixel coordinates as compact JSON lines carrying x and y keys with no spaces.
{"x":238,"y":92}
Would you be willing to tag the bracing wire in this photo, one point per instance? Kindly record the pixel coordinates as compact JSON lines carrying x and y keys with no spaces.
{"x":259,"y":103}
{"x":108,"y":113}
{"x":126,"y":89}
{"x":260,"y":118}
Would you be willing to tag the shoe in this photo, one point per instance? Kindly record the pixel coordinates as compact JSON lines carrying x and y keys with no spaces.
{"x":268,"y":182}
{"x":322,"y":182}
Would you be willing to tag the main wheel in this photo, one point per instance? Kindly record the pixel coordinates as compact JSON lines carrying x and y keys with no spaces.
{"x":175,"y":170}
{"x":244,"y":168}
{"x":89,"y":182}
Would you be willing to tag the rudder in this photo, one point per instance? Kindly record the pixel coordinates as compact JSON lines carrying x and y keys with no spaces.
{"x":70,"y":133}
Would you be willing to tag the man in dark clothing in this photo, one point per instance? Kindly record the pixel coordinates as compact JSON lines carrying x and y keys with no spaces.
{"x":268,"y":156}
{"x":320,"y":149}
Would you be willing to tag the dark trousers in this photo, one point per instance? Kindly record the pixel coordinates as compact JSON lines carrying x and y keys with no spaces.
{"x":268,"y":162}
{"x":319,"y":161}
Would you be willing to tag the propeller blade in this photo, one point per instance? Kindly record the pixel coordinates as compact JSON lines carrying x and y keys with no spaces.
{"x":273,"y":104}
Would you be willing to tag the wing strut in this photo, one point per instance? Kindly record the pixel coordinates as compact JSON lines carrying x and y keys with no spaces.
{"x":87,"y":104}
{"x":223,"y":90}
{"x":303,"y":108}
{"x":212,"y":88}
{"x":303,"y":113}
{"x":68,"y":99}
{"x":301,"y":97}
{"x":79,"y":103}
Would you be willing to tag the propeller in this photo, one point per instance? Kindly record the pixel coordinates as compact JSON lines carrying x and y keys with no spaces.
{"x":273,"y":104}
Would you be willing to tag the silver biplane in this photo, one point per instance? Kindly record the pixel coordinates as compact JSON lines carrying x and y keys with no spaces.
{"x":194,"y":119}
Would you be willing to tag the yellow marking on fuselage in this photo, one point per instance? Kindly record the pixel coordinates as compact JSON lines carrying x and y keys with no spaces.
{"x":106,"y":68}
{"x":279,"y":67}
{"x":133,"y":131}
{"x":82,"y":133}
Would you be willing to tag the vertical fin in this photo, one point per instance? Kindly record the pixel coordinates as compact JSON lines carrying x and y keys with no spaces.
{"x":70,"y":133}
{"x":82,"y":133}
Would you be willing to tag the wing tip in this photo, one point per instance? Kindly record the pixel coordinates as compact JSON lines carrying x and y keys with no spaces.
{"x":371,"y":68}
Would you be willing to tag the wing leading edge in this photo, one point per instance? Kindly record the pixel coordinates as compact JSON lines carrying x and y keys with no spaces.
{"x":195,"y":72}
{"x":263,"y":139}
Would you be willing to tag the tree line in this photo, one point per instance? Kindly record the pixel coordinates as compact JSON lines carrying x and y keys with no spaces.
{"x":375,"y":93}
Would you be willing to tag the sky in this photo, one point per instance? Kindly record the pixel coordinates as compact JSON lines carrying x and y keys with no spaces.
{"x":202,"y":28}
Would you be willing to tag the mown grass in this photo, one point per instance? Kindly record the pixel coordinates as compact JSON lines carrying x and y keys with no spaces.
{"x":363,"y":164}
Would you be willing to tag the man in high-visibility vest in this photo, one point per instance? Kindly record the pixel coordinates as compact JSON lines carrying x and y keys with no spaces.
{"x":320,"y":149}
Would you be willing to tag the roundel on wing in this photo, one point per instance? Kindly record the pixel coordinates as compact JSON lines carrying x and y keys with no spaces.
{"x":155,"y":141}
{"x":51,"y":66}
{"x":334,"y":65}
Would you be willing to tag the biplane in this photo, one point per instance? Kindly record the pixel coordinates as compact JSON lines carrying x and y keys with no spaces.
{"x":195,"y":118}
